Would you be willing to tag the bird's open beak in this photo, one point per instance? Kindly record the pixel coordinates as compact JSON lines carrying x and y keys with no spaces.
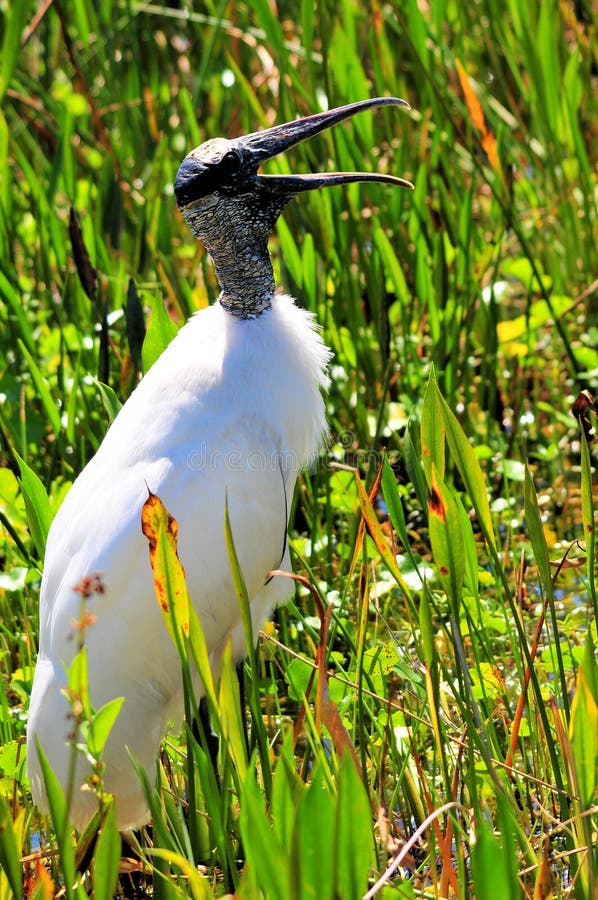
{"x":264,"y":145}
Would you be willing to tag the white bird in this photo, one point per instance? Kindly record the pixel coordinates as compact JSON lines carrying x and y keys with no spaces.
{"x":232,"y":409}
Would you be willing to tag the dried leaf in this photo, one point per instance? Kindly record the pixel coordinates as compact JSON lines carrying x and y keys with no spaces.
{"x":476,"y":114}
{"x":543,"y":885}
{"x":491,"y":150}
{"x":584,"y":408}
{"x":87,"y":273}
{"x":473,"y":104}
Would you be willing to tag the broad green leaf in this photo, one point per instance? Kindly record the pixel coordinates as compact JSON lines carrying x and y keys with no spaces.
{"x":432,"y":431}
{"x":470,"y":556}
{"x":160,"y":331}
{"x":583,"y":734}
{"x":354,"y":840}
{"x":491,"y":867}
{"x":313,"y":841}
{"x":446,"y":537}
{"x":265,"y":853}
{"x":216,"y":813}
{"x":37,"y":505}
{"x":231,"y":714}
{"x":58,"y":813}
{"x":588,"y":664}
{"x":201,"y":658}
{"x":469,"y":468}
{"x":110,"y":401}
{"x":12,"y":765}
{"x":395,"y":509}
{"x":16,"y":16}
{"x":78,"y":680}
{"x":10,"y":848}
{"x":298,"y":673}
{"x":287,"y":793}
{"x":413,"y":461}
{"x":102,"y":722}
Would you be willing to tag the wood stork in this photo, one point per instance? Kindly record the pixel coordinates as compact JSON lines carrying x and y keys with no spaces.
{"x":233,"y":408}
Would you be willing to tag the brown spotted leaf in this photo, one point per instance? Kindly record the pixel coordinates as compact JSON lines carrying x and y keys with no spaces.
{"x":446,"y":538}
{"x":161,"y":530}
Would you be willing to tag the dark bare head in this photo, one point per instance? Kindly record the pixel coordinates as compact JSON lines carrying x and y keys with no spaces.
{"x":232,"y":209}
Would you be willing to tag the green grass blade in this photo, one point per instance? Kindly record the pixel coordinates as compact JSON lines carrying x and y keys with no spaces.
{"x":314,"y":840}
{"x":469,"y":468}
{"x":432,"y":431}
{"x":353,"y":845}
{"x":15,"y":18}
{"x":589,"y":520}
{"x":491,"y":867}
{"x":245,"y":612}
{"x":37,"y":504}
{"x":106,"y":858}
{"x":59,"y":812}
{"x":583,"y":730}
{"x":160,"y":331}
{"x":10,"y":851}
{"x":231,"y":719}
{"x":51,"y":409}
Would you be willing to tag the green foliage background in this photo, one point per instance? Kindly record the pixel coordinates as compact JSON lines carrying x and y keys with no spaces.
{"x":474,"y":296}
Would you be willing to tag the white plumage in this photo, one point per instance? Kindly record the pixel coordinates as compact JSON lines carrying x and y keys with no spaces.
{"x":188,"y":433}
{"x":232,"y":409}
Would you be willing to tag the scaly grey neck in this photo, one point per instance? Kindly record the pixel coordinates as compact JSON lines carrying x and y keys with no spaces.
{"x":235,"y":232}
{"x":246,"y":278}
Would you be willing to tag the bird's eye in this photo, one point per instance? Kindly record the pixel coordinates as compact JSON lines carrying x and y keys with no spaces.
{"x":230,"y":163}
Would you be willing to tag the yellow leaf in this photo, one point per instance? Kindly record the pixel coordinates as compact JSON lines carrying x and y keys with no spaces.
{"x":511,"y":330}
